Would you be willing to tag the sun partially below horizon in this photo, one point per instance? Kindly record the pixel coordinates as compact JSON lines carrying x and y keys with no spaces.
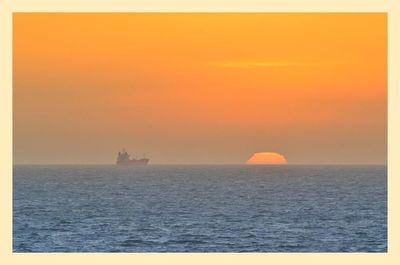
{"x":267,"y":158}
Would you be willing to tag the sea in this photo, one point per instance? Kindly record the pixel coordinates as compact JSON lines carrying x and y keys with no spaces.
{"x":200,"y":208}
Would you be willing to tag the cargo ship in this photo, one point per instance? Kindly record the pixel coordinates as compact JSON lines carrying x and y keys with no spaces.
{"x":124,"y":159}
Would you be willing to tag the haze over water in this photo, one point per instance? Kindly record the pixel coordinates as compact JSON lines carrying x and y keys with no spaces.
{"x":200,"y":209}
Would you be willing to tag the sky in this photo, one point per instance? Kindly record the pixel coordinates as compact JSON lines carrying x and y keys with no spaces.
{"x":199,"y":88}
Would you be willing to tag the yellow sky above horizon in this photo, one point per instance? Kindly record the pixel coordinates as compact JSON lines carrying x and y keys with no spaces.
{"x":200,"y":88}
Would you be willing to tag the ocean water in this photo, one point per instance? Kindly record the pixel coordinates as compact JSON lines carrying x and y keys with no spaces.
{"x":200,"y":209}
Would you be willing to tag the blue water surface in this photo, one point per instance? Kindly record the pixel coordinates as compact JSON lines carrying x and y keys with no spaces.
{"x":200,"y":208}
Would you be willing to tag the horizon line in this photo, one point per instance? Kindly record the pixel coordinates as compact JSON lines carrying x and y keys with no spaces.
{"x":200,"y":164}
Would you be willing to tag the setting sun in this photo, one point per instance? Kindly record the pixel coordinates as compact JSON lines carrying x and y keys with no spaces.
{"x":267,"y":158}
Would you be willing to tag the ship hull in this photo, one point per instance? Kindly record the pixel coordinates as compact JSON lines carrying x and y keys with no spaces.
{"x":136,"y":162}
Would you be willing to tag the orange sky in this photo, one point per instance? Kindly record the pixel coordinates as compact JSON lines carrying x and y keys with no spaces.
{"x":200,"y":88}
